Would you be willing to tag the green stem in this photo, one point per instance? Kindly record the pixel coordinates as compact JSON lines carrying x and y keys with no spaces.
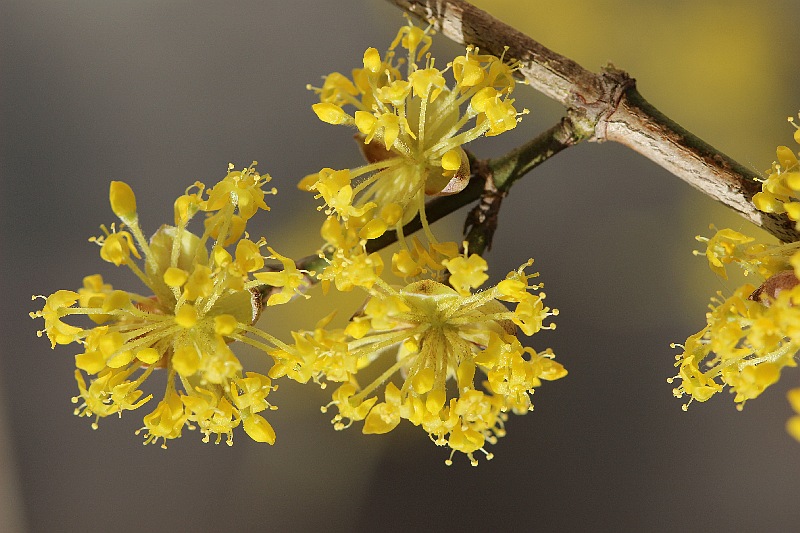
{"x":501,"y":173}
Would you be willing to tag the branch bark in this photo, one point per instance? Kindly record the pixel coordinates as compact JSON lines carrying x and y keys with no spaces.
{"x":610,"y":106}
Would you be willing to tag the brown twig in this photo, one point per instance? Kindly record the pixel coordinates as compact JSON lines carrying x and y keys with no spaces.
{"x":481,"y":222}
{"x":611,"y":105}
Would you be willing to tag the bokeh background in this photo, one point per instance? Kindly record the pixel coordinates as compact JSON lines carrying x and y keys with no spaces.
{"x":160,"y":94}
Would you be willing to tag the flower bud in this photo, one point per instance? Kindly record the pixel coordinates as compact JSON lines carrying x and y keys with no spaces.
{"x":123,"y":201}
{"x":330,"y":113}
{"x":372,"y":60}
{"x":773,"y":286}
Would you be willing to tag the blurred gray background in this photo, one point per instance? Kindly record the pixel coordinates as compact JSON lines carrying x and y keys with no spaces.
{"x":160,"y":94}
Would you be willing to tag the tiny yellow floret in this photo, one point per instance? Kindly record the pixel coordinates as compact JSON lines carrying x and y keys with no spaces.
{"x":200,"y":301}
{"x":437,"y":335}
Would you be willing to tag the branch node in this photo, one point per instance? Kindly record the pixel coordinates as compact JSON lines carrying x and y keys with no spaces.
{"x":614,"y":85}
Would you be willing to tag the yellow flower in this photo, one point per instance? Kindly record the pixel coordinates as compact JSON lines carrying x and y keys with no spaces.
{"x":413,"y":126}
{"x":55,"y":308}
{"x":200,"y":302}
{"x":780,"y":191}
{"x":722,"y":249}
{"x":322,"y":353}
{"x":731,"y":247}
{"x":242,"y":188}
{"x":415,"y":260}
{"x":348,"y":263}
{"x":290,"y":280}
{"x":440,"y":336}
{"x":466,"y":273}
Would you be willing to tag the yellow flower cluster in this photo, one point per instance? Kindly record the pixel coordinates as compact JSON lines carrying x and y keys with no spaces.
{"x":199,"y":301}
{"x":744,"y":345}
{"x":752,"y":335}
{"x":441,"y":337}
{"x":412,"y":127}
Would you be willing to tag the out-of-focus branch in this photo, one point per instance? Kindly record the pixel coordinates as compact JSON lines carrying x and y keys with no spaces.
{"x":611,"y":105}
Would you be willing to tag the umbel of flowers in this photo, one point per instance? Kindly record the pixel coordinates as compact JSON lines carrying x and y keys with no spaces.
{"x":199,"y":298}
{"x":412,"y":124}
{"x":460,"y":366}
{"x":753,"y":334}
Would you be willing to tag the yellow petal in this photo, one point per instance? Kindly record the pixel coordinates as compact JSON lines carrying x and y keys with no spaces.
{"x":225,"y":324}
{"x":259,"y":429}
{"x":186,"y":316}
{"x":175,"y":277}
{"x":148,"y":355}
{"x":186,"y":360}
